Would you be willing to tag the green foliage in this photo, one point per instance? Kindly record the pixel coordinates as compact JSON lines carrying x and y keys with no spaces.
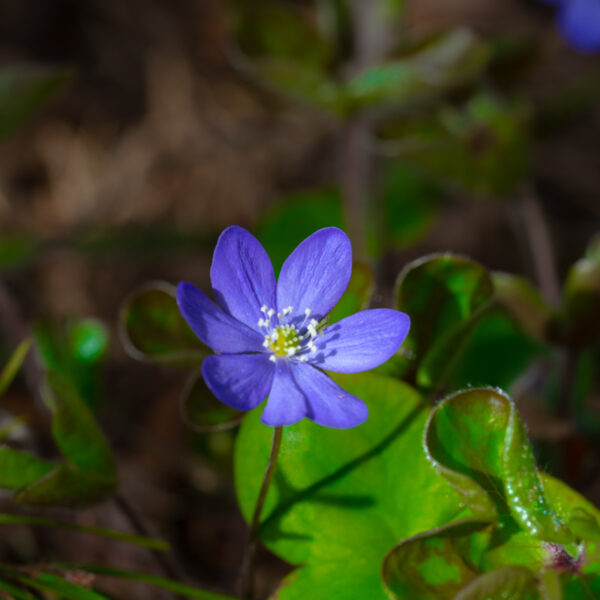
{"x":136,"y":540}
{"x":202,"y":411}
{"x":13,"y":365}
{"x":341,"y":499}
{"x":445,"y":63}
{"x":357,"y":294}
{"x":295,"y":218}
{"x":87,"y":474}
{"x":17,"y":249}
{"x":405,"y":208}
{"x":152,"y":328}
{"x":492,"y":467}
{"x":482,"y":147}
{"x":444,"y":296}
{"x":24,"y":89}
{"x":496,"y":352}
{"x":77,"y":351}
{"x":524,"y":526}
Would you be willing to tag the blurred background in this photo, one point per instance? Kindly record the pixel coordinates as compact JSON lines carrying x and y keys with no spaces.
{"x":132,"y":133}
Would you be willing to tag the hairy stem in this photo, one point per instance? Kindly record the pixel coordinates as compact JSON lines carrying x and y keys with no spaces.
{"x":247,"y":567}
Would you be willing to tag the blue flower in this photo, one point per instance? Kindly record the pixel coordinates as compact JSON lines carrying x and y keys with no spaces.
{"x":269,"y":336}
{"x":579,"y":21}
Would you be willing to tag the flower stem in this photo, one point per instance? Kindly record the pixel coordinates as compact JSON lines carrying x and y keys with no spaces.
{"x":246,"y":570}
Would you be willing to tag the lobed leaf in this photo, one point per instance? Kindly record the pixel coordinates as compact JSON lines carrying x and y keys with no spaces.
{"x":152,"y":328}
{"x":476,"y":439}
{"x":202,"y":411}
{"x":431,"y":565}
{"x":443,"y":294}
{"x":340,"y":499}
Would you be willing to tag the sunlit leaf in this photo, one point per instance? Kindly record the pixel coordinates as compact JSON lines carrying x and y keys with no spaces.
{"x":431,"y":565}
{"x":152,"y":328}
{"x":341,"y":499}
{"x":444,"y":295}
{"x":476,"y":440}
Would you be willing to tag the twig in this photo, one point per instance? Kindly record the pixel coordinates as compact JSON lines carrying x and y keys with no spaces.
{"x":247,"y":567}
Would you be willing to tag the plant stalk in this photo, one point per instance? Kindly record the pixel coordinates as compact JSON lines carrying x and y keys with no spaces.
{"x":247,"y":567}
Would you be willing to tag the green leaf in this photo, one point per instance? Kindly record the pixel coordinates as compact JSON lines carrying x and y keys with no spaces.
{"x":18,"y":468}
{"x":406,"y":208}
{"x":202,"y":412}
{"x":75,"y":430}
{"x":136,"y":540}
{"x":180,"y":589}
{"x":152,"y":328}
{"x":577,"y":324}
{"x":447,"y":62}
{"x":482,"y":147}
{"x":341,"y":499}
{"x":17,"y":249}
{"x":77,"y":351}
{"x":476,"y":440}
{"x":13,"y":365}
{"x":505,"y":583}
{"x":523,"y":303}
{"x":66,"y":486}
{"x":497,"y":352}
{"x":302,"y":83}
{"x":444,"y":295}
{"x":67,"y":590}
{"x":430,"y":566}
{"x":24,"y":89}
{"x":89,"y":473}
{"x":295,"y":218}
{"x":584,"y":525}
{"x":14,"y":592}
{"x":357,"y":294}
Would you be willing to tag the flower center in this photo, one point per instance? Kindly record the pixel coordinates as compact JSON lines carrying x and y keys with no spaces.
{"x":286,"y":338}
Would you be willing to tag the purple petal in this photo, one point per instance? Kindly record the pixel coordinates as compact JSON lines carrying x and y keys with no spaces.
{"x":361,"y":341}
{"x":241,"y":381}
{"x":316,"y":273}
{"x":300,"y":390}
{"x":580,"y":23}
{"x":242,"y":276}
{"x":214,"y":327}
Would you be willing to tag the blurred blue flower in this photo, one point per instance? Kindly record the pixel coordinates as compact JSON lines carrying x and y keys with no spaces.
{"x":579,"y":20}
{"x":269,"y":337}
